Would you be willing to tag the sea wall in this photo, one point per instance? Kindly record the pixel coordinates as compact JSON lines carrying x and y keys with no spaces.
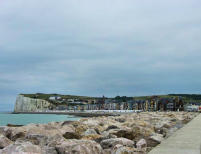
{"x":26,"y":104}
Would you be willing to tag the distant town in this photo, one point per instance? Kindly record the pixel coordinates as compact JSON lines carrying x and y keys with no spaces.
{"x":171,"y":102}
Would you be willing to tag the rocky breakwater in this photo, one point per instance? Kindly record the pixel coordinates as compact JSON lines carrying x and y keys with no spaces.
{"x":134,"y":133}
{"x":26,"y":104}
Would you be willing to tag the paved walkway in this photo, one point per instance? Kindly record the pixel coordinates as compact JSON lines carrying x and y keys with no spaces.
{"x":186,"y":140}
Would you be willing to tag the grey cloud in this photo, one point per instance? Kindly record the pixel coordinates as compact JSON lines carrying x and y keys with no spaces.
{"x":99,"y":47}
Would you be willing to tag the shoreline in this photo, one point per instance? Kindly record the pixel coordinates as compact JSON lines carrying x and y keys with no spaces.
{"x":79,"y":114}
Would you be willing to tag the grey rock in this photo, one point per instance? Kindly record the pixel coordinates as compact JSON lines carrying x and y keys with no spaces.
{"x":4,"y":141}
{"x":21,"y":147}
{"x":37,"y":139}
{"x":141,"y":144}
{"x":112,"y":127}
{"x":16,"y":133}
{"x":49,"y":150}
{"x":120,"y":149}
{"x":154,"y":140}
{"x":67,"y":123}
{"x":124,"y":132}
{"x":79,"y":147}
{"x":54,"y":140}
{"x":107,"y":136}
{"x":2,"y":129}
{"x":71,"y":135}
{"x":109,"y":143}
{"x":89,"y":132}
{"x":121,"y":119}
{"x":6,"y":131}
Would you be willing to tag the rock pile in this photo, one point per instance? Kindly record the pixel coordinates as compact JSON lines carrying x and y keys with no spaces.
{"x":133,"y":133}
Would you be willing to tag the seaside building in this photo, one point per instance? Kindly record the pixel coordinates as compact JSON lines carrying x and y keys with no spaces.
{"x":54,"y":98}
{"x":124,"y":103}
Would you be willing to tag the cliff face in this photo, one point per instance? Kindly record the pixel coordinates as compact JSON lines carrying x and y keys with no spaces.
{"x":26,"y":104}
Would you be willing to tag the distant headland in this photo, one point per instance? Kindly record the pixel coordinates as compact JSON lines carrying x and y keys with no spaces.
{"x":46,"y":103}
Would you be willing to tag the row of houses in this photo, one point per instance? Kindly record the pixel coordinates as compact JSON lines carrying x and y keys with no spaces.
{"x":60,"y":100}
{"x":152,"y":104}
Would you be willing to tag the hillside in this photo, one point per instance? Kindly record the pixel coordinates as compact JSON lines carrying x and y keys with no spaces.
{"x":186,"y":97}
{"x":47,"y":96}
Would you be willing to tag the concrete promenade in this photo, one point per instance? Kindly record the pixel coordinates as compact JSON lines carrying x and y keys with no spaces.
{"x":85,"y":113}
{"x":186,"y":140}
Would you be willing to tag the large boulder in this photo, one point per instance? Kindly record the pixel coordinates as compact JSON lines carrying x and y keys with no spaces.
{"x":120,"y":149}
{"x":4,"y":141}
{"x":154,"y":140}
{"x":110,"y":143}
{"x":15,"y":133}
{"x":121,"y":119}
{"x":49,"y":150}
{"x":66,"y":123}
{"x":43,"y":129}
{"x":66,"y":128}
{"x":37,"y":139}
{"x":162,"y":124}
{"x":22,"y":147}
{"x":52,"y":141}
{"x":94,"y":137}
{"x":105,"y":135}
{"x":2,"y":129}
{"x":72,"y":135}
{"x":141,"y":144}
{"x":89,"y":132}
{"x":125,"y":132}
{"x":79,"y":147}
{"x":6,"y":131}
{"x":112,"y":127}
{"x":80,"y":128}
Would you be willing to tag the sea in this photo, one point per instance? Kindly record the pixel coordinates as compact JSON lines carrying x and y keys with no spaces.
{"x":24,"y":119}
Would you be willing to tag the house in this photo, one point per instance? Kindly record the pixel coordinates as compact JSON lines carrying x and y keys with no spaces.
{"x":62,"y":107}
{"x":192,"y":108}
{"x":54,"y":98}
{"x":70,"y":100}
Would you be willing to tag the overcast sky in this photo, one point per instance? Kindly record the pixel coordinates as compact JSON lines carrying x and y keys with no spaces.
{"x":115,"y":47}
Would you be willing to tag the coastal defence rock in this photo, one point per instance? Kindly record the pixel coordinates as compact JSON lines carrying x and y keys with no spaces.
{"x":136,"y":134}
{"x":26,"y":104}
{"x":49,"y":150}
{"x":79,"y":147}
{"x":120,"y":149}
{"x":109,"y":143}
{"x":124,"y":132}
{"x":3,"y":130}
{"x":154,"y":140}
{"x":89,"y":132}
{"x":71,"y":135}
{"x":4,"y":142}
{"x":141,"y":144}
{"x":22,"y":147}
{"x":37,"y":139}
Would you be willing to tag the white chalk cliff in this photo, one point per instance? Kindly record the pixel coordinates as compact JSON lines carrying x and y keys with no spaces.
{"x":26,"y":104}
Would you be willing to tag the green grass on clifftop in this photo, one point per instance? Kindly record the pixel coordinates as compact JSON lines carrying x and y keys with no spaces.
{"x":186,"y":97}
{"x":47,"y":96}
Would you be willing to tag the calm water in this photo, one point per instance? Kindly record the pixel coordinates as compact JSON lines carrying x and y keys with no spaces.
{"x":23,"y":119}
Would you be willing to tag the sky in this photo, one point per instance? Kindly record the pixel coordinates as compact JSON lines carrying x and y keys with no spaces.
{"x":95,"y":48}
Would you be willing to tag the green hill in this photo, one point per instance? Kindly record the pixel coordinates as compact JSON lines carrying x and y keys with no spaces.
{"x":186,"y":97}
